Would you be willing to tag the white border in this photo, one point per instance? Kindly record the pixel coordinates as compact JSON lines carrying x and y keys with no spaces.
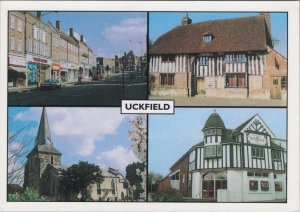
{"x":292,"y":7}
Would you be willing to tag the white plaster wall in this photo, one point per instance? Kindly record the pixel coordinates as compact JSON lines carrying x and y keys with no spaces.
{"x":234,"y":182}
{"x":280,"y":194}
{"x":196,"y":188}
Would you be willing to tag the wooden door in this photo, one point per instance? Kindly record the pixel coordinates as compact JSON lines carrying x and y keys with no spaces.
{"x":275,"y":87}
{"x":200,"y":85}
{"x":208,"y":189}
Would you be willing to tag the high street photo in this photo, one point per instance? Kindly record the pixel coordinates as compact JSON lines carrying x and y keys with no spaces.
{"x":76,"y":58}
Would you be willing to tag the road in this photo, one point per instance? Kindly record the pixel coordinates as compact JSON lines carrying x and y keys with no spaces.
{"x":93,"y":93}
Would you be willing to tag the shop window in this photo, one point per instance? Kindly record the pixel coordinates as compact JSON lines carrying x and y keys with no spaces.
{"x":175,"y":176}
{"x":167,"y":79}
{"x":236,"y":80}
{"x":12,"y":22}
{"x":168,"y":58}
{"x":235,"y":58}
{"x":253,"y":185}
{"x":19,"y":25}
{"x":264,"y":185}
{"x":258,"y":152}
{"x":283,"y":83}
{"x":278,"y":186}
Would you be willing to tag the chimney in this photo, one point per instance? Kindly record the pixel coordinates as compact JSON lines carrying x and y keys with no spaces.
{"x":267,"y":21}
{"x":72,"y":33}
{"x":81,"y":38}
{"x":186,"y":20}
{"x":39,"y":15}
{"x":116,"y":57}
{"x":58,"y":25}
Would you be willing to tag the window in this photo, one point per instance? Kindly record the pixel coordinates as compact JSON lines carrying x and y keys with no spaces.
{"x":43,"y":36}
{"x":112,"y":186}
{"x":277,"y":155}
{"x":98,"y":188}
{"x":52,"y":159}
{"x":12,"y":22}
{"x":278,"y":186}
{"x":277,"y":64}
{"x":175,"y":176}
{"x":192,"y":160}
{"x":250,"y":174}
{"x":12,"y":43}
{"x":253,"y":185}
{"x":236,"y":80}
{"x":167,"y":79}
{"x":19,"y":46}
{"x":235,"y":58}
{"x":283,"y":82}
{"x":35,"y":46}
{"x":30,"y":44}
{"x":35,"y":32}
{"x":168,"y":58}
{"x":19,"y":25}
{"x":207,"y":38}
{"x":257,"y":174}
{"x":258,"y":152}
{"x":219,"y":131}
{"x":203,"y":61}
{"x":265,"y":174}
{"x":264,"y":185}
{"x":213,"y":151}
{"x":275,"y":81}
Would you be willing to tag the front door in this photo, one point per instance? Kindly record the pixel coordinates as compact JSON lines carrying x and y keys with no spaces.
{"x":208,"y":189}
{"x":200,"y":85}
{"x":275,"y":88}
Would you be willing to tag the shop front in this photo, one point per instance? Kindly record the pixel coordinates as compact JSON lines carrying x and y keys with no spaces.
{"x":63,"y":72}
{"x":55,"y":71}
{"x":73,"y":71}
{"x":38,"y":69}
{"x":17,"y":71}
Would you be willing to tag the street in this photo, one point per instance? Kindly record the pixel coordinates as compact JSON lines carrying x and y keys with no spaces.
{"x":90,"y":93}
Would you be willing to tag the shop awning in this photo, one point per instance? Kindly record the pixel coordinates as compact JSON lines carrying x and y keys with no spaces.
{"x":18,"y":69}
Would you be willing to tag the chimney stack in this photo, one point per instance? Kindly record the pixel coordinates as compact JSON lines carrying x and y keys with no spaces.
{"x":58,"y":25}
{"x":72,"y":33}
{"x":39,"y":15}
{"x":81,"y":38}
{"x":186,"y":20}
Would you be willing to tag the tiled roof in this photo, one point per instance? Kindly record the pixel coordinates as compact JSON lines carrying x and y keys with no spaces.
{"x":69,"y":38}
{"x":215,"y":121}
{"x":229,"y":35}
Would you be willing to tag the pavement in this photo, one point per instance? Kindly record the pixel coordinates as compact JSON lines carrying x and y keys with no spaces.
{"x":218,"y":101}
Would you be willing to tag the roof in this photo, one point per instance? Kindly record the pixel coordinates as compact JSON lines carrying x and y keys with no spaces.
{"x":214,"y":121}
{"x":239,"y":128}
{"x":276,"y":146}
{"x":45,"y":148}
{"x":229,"y":35}
{"x":69,"y":38}
{"x":228,"y":136}
{"x":43,"y":134}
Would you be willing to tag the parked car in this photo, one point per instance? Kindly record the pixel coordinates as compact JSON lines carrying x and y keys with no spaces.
{"x":50,"y":84}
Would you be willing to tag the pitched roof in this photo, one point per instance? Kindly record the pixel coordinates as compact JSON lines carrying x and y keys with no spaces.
{"x":44,"y":130}
{"x":239,"y":128}
{"x":215,"y":121}
{"x":276,"y":146}
{"x":69,"y":38}
{"x":229,"y":35}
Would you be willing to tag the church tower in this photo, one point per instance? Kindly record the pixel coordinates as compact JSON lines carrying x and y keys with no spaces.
{"x":42,"y":155}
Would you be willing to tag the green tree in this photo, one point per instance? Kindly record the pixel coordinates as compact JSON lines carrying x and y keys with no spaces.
{"x":153,"y":181}
{"x":78,"y":177}
{"x":29,"y":195}
{"x":134,"y":176}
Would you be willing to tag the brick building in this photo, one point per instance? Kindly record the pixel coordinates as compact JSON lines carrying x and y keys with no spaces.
{"x":221,"y":58}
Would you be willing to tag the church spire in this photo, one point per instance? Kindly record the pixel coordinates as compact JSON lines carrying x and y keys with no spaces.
{"x":43,"y":136}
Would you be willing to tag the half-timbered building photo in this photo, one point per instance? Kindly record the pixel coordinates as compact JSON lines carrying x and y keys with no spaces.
{"x":225,"y":155}
{"x":221,"y":55}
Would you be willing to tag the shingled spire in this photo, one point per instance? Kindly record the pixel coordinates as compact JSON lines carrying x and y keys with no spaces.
{"x":44,"y":135}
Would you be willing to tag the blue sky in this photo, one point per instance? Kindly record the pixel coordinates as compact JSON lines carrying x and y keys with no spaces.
{"x":107,"y":33}
{"x":162,"y":22}
{"x":97,"y":135}
{"x":183,"y":130}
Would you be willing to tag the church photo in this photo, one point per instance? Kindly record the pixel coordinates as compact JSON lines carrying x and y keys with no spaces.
{"x":219,"y":155}
{"x":76,"y":154}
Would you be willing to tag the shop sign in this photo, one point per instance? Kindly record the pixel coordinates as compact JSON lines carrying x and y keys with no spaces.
{"x":55,"y":67}
{"x":17,"y":61}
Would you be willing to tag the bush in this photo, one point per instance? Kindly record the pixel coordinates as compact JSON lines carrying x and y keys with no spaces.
{"x":30,"y":195}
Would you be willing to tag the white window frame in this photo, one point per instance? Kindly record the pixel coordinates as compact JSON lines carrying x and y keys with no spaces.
{"x":19,"y":25}
{"x":19,"y":45}
{"x":12,"y":43}
{"x":12,"y":22}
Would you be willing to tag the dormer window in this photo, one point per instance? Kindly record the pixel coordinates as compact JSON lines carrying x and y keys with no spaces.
{"x":168,"y":58}
{"x":207,"y":38}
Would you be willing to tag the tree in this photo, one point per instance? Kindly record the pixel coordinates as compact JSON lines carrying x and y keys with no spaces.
{"x":133,"y":175}
{"x":153,"y":181}
{"x":18,"y":143}
{"x":138,"y":137}
{"x":78,"y":177}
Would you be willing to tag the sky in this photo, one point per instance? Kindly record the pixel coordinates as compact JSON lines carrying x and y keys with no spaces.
{"x":162,"y":22}
{"x":183,"y":130}
{"x":107,"y":33}
{"x":96,"y":135}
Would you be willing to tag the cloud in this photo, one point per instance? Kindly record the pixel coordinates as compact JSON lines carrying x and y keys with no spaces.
{"x":32,"y":114}
{"x":118,"y":157}
{"x":134,"y":29}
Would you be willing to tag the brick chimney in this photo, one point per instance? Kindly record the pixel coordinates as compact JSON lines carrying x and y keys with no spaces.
{"x":186,"y":20}
{"x":39,"y":15}
{"x":72,"y":33}
{"x":57,"y":25}
{"x":81,"y":38}
{"x":267,"y":21}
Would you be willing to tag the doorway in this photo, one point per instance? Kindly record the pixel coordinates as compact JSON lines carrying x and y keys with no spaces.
{"x":275,"y":88}
{"x":211,"y":183}
{"x":200,"y":85}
